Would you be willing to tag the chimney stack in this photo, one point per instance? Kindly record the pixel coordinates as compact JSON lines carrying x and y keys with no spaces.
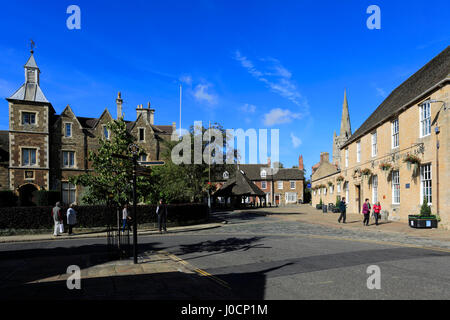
{"x":300,"y":163}
{"x":324,"y":157}
{"x":268,"y":162}
{"x":119,"y":103}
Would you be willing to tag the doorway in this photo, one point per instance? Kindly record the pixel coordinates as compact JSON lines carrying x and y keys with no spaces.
{"x":358,"y":197}
{"x":26,"y":196}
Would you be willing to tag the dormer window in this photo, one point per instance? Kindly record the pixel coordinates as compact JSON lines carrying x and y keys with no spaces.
{"x":68,"y":130}
{"x":106,"y":132}
{"x":29,"y":118}
{"x":141,"y":134}
{"x":263,"y":174}
{"x":226,"y":175}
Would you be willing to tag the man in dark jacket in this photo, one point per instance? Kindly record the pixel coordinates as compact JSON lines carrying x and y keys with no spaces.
{"x":343,"y":210}
{"x":161,"y":212}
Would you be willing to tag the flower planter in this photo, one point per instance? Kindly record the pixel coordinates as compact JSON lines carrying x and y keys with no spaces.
{"x":422,"y":222}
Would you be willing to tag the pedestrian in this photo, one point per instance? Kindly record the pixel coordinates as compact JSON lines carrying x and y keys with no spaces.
{"x":56,"y":214}
{"x":366,"y":212}
{"x":376,"y":211}
{"x":71,"y":217}
{"x":125,"y":218}
{"x":342,"y":210}
{"x":161,"y":212}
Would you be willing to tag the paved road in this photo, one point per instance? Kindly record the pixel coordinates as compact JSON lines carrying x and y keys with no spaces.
{"x":261,"y":257}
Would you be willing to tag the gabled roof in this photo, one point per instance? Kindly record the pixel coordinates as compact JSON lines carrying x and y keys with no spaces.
{"x":240,"y":185}
{"x":433,"y":73}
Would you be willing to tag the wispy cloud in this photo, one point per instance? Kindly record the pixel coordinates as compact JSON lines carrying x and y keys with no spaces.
{"x":381,"y":92}
{"x":275,"y":76}
{"x":296,"y":141}
{"x":187,"y":79}
{"x":280,"y":116}
{"x":201,"y":94}
{"x":248,"y":108}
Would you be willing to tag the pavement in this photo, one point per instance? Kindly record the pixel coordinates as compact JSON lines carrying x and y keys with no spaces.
{"x":80,"y":234}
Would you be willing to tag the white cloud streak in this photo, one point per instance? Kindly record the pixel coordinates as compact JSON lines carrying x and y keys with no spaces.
{"x":296,"y":141}
{"x":280,"y":116}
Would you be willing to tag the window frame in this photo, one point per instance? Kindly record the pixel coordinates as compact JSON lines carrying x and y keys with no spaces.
{"x":70,"y":188}
{"x":263,"y":184}
{"x":396,"y":187}
{"x":65,"y":129}
{"x":358,"y":151}
{"x":395,"y":135}
{"x":429,"y":186}
{"x":425,"y":118}
{"x":374,"y":139}
{"x":374,"y":189}
{"x":143,"y":134}
{"x":290,"y":185}
{"x":346,"y":157}
{"x":278,"y":185}
{"x":29,"y":113}
{"x":29,"y":149}
{"x":70,"y":156}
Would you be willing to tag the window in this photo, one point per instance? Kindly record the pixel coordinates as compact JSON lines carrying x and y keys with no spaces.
{"x":106,"y":132}
{"x":28,"y":157}
{"x":142,"y":158}
{"x":292,"y":184}
{"x":263,"y":184}
{"x":395,"y":130}
{"x":68,"y":130}
{"x":28,"y":118}
{"x":319,"y":191}
{"x":339,"y":187}
{"x":263,"y":173}
{"x":374,"y":144}
{"x":314,"y":192}
{"x":425,"y":119}
{"x":374,"y":189}
{"x":358,"y":151}
{"x":395,"y":187}
{"x":346,"y":157}
{"x":141,"y":134}
{"x":68,"y":192}
{"x":346,"y":192}
{"x":331,"y":189}
{"x":226,"y":175}
{"x":280,"y":185}
{"x":325,"y":191}
{"x":291,"y":197}
{"x":425,"y":183}
{"x":68,"y":159}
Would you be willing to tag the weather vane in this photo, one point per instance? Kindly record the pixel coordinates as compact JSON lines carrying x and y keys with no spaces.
{"x":32,"y":45}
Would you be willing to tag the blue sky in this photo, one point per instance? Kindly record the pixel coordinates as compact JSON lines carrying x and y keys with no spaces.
{"x":245,"y":64}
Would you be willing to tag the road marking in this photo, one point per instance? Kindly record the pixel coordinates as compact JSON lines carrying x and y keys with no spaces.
{"x":195,"y":269}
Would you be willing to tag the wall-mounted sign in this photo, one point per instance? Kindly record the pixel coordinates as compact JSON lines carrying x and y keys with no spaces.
{"x":407,"y":186}
{"x":29,"y":175}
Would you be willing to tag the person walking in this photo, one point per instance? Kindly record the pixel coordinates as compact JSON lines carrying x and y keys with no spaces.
{"x":161,"y":212}
{"x":125,"y":218}
{"x":71,"y":217}
{"x":343,"y":210}
{"x":376,"y":211}
{"x":56,"y":214}
{"x":366,"y":212}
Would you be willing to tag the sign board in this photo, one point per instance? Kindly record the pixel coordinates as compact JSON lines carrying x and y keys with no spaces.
{"x":308,"y":185}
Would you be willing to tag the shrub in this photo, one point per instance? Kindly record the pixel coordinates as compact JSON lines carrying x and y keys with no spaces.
{"x":8,"y":198}
{"x":96,"y":216}
{"x":425,"y":210}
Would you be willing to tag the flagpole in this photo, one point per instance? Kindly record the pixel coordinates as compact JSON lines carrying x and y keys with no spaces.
{"x":181,"y":91}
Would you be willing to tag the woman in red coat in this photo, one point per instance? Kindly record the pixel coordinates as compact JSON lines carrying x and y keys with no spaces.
{"x":376,"y":211}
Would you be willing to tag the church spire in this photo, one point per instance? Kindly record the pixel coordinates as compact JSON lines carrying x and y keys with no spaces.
{"x":346,"y":130}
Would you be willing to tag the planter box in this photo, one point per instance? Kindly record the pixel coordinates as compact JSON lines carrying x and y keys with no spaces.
{"x":423,"y":222}
{"x":318,"y":206}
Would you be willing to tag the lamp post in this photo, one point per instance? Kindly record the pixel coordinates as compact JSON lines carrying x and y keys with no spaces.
{"x":134,"y":149}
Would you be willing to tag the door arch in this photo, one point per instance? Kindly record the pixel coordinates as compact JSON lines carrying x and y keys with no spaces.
{"x":26,"y":197}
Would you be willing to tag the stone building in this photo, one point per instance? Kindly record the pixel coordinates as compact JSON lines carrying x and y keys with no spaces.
{"x":401,"y":153}
{"x":44,"y":149}
{"x":284,"y":187}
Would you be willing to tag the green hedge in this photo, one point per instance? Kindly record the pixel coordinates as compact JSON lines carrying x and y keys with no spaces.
{"x":95,"y":216}
{"x":47,"y":198}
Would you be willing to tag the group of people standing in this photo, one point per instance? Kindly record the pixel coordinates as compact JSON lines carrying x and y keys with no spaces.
{"x":161,"y":212}
{"x":376,"y":210}
{"x":59,"y":221}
